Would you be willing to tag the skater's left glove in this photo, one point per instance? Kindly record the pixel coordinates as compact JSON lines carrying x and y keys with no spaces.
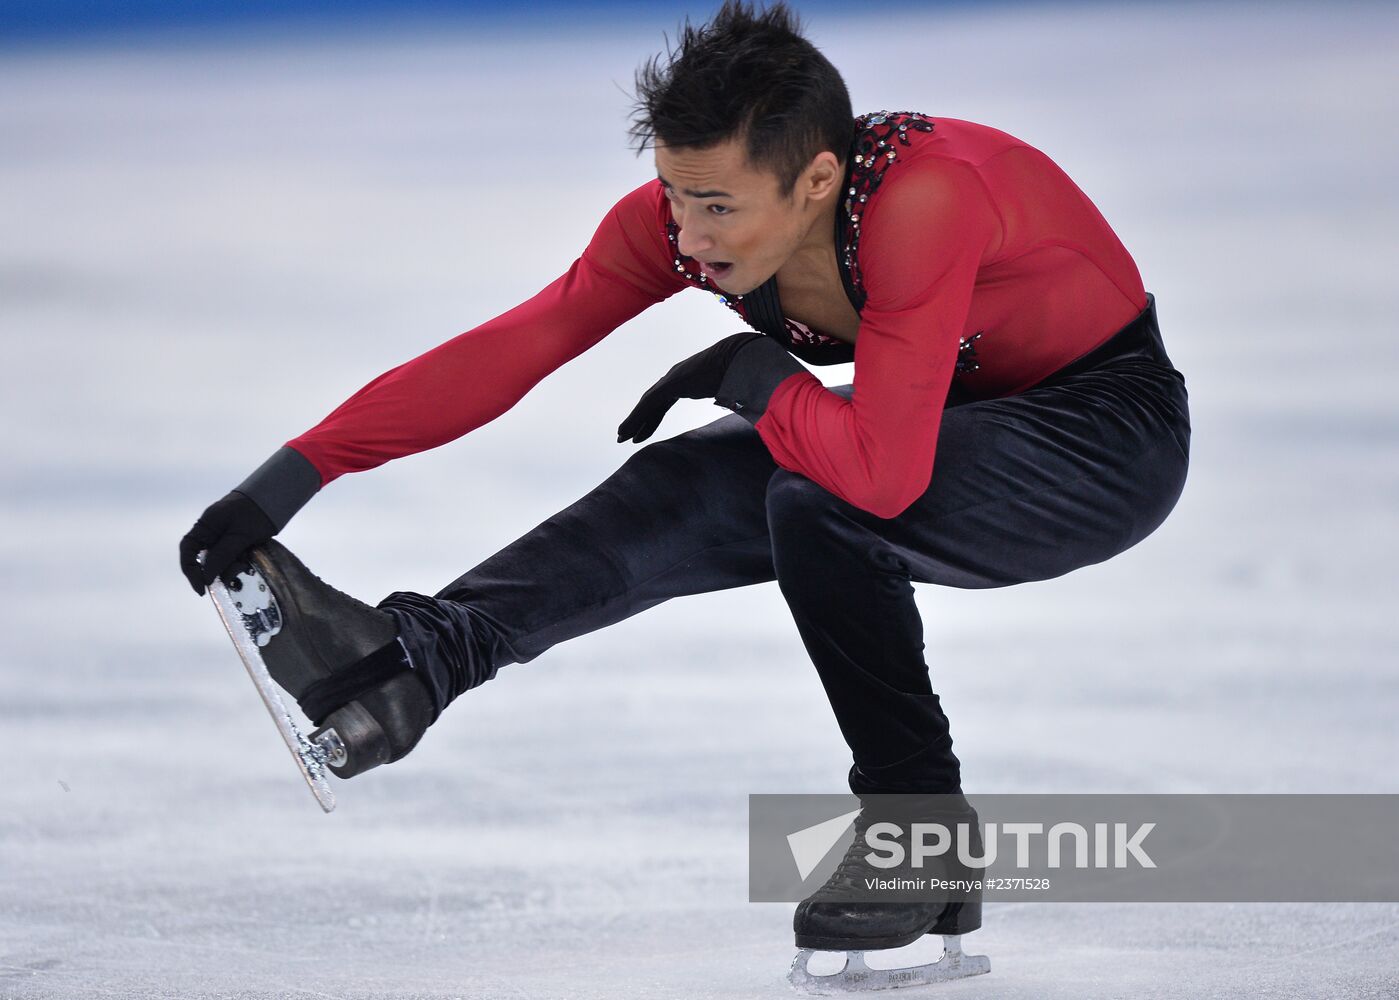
{"x":740,"y":373}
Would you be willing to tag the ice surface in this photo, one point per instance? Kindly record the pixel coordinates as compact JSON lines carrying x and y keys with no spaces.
{"x":207,"y":245}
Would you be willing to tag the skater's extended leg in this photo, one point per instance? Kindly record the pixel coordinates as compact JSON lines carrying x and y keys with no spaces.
{"x":681,"y":516}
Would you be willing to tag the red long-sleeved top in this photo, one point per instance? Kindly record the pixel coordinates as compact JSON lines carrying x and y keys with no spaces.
{"x":969,"y":255}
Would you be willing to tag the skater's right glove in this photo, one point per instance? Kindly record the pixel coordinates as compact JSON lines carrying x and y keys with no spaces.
{"x":253,"y":512}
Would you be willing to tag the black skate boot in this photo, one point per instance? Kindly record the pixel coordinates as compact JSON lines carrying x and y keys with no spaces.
{"x":342,"y":662}
{"x":843,"y":916}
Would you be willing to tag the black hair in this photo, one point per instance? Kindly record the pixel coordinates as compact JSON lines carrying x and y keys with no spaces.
{"x":751,"y":75}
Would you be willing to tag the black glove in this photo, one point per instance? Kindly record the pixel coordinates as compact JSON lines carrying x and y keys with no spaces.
{"x":258,"y":508}
{"x":696,"y":377}
{"x":741,"y":372}
{"x":227,"y":529}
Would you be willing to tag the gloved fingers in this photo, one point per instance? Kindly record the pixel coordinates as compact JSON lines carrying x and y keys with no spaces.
{"x":191,"y":545}
{"x":629,"y":425}
{"x":645,"y":430}
{"x":222,"y":554}
{"x":643,"y":420}
{"x":655,"y":397}
{"x":632,"y":426}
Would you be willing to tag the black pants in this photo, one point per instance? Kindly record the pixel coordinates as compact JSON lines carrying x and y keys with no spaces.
{"x":1026,"y":487}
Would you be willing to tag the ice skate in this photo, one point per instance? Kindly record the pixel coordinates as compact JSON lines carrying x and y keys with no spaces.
{"x":339,"y":658}
{"x":840,"y":917}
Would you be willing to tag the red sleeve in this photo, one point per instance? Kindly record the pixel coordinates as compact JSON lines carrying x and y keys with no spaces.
{"x":921,"y":245}
{"x":475,"y":377}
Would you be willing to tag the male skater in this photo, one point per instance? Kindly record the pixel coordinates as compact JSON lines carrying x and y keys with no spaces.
{"x":1013,"y":416}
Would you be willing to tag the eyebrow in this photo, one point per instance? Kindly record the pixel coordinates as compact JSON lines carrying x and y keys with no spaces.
{"x":692,"y":192}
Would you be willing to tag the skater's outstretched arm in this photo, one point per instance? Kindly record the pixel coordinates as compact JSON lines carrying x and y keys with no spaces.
{"x":453,"y":388}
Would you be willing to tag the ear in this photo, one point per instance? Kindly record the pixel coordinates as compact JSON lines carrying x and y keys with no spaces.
{"x":822,"y":177}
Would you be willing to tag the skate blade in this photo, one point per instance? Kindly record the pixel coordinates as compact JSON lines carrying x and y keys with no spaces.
{"x":242,"y":628}
{"x":857,"y":977}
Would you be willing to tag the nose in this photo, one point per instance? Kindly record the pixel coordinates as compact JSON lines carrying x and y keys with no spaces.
{"x":692,"y":239}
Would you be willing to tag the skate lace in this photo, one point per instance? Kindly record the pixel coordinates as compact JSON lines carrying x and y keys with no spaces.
{"x":852,"y":869}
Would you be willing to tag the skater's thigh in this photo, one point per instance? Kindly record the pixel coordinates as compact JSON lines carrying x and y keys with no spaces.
{"x":682,"y":515}
{"x":1030,"y":487}
{"x":713,"y":475}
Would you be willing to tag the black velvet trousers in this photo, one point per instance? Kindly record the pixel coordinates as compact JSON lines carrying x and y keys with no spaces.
{"x":1026,"y":487}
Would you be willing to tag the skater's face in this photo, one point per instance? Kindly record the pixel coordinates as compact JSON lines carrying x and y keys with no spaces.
{"x":736,"y":220}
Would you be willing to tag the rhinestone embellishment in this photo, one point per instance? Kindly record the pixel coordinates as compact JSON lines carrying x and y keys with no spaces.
{"x":966,"y":354}
{"x":878,"y":138}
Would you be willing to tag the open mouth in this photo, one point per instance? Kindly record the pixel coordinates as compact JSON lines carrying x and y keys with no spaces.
{"x":717,"y":270}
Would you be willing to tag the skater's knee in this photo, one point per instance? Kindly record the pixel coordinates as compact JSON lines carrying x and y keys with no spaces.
{"x":681,"y":461}
{"x":793,"y":499}
{"x":657,"y":463}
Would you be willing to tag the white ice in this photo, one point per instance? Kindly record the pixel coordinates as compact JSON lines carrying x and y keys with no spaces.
{"x":205,"y":245}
